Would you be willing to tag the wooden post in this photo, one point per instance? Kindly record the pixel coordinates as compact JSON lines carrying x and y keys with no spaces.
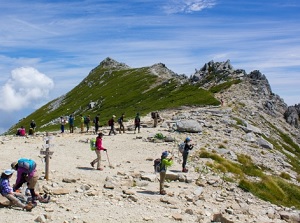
{"x":47,"y":154}
{"x":47,"y":158}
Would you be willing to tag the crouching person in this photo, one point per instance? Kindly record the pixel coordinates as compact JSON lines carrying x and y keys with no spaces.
{"x":7,"y":191}
{"x":27,"y":173}
{"x":165,"y":163}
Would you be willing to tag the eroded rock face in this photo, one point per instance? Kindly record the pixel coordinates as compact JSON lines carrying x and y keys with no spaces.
{"x":292,"y":114}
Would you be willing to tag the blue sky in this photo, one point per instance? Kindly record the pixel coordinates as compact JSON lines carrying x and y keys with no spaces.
{"x":48,"y":47}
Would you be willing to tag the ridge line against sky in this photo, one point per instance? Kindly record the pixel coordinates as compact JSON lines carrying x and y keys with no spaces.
{"x":48,"y":47}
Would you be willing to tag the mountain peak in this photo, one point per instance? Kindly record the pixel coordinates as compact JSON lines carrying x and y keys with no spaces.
{"x":111,"y":63}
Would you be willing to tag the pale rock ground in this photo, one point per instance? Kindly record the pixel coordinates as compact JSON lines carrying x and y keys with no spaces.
{"x":132,"y":199}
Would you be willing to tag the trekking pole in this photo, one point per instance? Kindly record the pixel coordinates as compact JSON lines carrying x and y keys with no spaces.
{"x":108,"y":159}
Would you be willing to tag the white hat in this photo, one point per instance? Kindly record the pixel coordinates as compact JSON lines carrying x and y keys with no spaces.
{"x":113,"y":116}
{"x":8,"y":172}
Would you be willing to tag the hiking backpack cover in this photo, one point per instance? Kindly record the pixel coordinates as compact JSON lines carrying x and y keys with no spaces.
{"x":27,"y":164}
{"x":181,"y":147}
{"x":93,"y":144}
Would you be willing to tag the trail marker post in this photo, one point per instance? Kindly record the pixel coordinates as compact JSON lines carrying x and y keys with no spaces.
{"x":47,"y":154}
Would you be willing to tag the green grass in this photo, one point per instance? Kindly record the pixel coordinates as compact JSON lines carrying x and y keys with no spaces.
{"x":119,"y":91}
{"x":273,"y":189}
{"x":223,"y":86}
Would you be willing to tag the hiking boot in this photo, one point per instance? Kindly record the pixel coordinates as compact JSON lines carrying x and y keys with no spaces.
{"x":28,"y":207}
{"x":185,"y":170}
{"x":92,"y":164}
{"x":44,"y":200}
{"x":99,"y":168}
{"x":162,"y":192}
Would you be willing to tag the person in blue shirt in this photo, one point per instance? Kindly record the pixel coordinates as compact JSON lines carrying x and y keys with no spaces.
{"x":71,"y":123}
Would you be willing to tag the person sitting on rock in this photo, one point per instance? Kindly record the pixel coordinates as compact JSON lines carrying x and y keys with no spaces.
{"x":7,"y":191}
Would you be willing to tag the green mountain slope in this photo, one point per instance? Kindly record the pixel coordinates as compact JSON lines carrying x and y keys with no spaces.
{"x":115,"y":88}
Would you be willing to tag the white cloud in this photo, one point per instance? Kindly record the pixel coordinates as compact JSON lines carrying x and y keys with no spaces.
{"x":25,"y":86}
{"x":188,"y":6}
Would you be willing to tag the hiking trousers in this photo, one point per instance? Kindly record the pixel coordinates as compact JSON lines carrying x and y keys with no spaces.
{"x":98,"y":159}
{"x":184,"y":156}
{"x":162,"y":180}
{"x":15,"y":201}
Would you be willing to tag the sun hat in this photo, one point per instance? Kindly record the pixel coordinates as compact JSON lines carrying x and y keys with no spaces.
{"x":8,"y":172}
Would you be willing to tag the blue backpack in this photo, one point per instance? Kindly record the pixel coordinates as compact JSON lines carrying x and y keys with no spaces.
{"x":27,"y":164}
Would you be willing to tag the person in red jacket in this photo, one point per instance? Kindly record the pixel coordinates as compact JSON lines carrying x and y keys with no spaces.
{"x":99,"y":147}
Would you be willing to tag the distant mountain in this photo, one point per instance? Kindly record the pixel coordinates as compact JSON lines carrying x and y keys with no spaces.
{"x":115,"y":88}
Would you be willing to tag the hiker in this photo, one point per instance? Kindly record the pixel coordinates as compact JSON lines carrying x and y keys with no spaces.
{"x":99,"y":147}
{"x":32,"y":127}
{"x":185,"y":153}
{"x":21,"y":131}
{"x":81,"y":123}
{"x":155,"y":117}
{"x":137,"y":122}
{"x":165,"y":162}
{"x":62,"y":124}
{"x":71,"y":123}
{"x":121,"y":123}
{"x":8,"y":192}
{"x":96,"y":121}
{"x":28,"y":174}
{"x":87,"y":121}
{"x":111,"y":123}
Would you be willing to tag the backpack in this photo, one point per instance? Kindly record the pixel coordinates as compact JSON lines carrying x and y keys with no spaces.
{"x":27,"y":164}
{"x":157,"y":165}
{"x":119,"y":120}
{"x":86,"y":120}
{"x":93,"y":144}
{"x":153,"y":115}
{"x":181,"y":147}
{"x":110,"y":122}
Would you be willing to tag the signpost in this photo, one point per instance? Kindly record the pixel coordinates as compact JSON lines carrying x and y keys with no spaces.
{"x":47,"y":154}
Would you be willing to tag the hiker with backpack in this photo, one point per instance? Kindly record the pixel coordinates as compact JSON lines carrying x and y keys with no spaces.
{"x":8,"y":192}
{"x":137,"y":123}
{"x":121,"y":123}
{"x":96,"y":122}
{"x":185,"y":153}
{"x":62,"y":124}
{"x":81,"y":123}
{"x":111,"y":123}
{"x":155,"y":116}
{"x":71,"y":123}
{"x":164,"y":164}
{"x":27,"y":173}
{"x":87,"y":121}
{"x":99,"y":148}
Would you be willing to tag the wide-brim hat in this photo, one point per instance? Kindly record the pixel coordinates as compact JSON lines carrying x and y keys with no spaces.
{"x":8,"y":172}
